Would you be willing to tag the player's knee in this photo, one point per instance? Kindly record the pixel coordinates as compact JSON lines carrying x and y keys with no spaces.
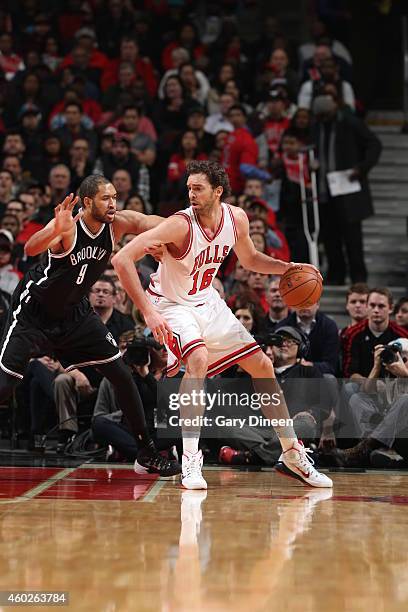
{"x":197,"y":363}
{"x":264,"y":366}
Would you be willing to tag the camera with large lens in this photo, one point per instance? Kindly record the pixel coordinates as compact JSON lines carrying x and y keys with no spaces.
{"x":390,"y":353}
{"x":138,"y":351}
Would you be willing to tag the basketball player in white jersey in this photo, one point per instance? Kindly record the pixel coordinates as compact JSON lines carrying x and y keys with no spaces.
{"x":185,"y":312}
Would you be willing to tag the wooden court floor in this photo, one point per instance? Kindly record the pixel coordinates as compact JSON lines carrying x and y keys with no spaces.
{"x":254,"y":542}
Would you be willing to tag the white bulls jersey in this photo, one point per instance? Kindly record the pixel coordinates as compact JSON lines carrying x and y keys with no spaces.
{"x":187,"y":279}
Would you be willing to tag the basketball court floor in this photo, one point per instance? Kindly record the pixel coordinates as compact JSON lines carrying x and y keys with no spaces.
{"x":255,"y":541}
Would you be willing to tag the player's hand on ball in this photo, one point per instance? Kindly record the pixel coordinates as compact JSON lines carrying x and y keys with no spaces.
{"x":307,"y":267}
{"x":160,"y":328}
{"x":64,"y":221}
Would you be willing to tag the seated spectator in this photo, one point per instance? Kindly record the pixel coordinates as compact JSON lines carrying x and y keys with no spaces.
{"x":329,"y":74}
{"x":142,"y":145}
{"x":67,"y":384}
{"x":73,"y":129}
{"x":125,"y":87}
{"x":275,"y":240}
{"x":240,"y":149}
{"x":311,"y":67}
{"x":320,"y":35}
{"x":52,"y":155}
{"x":12,"y":164}
{"x":175,"y":188}
{"x":323,"y":337}
{"x":31,"y":130}
{"x":76,"y":92}
{"x":360,"y":342}
{"x":250,"y":316}
{"x":219,"y":120}
{"x":226,"y":72}
{"x":84,"y":62}
{"x":113,"y":21}
{"x":179,"y":55}
{"x":196,"y":121}
{"x":380,"y":413}
{"x":108,"y":424}
{"x":10,"y":62}
{"x":122,"y":182}
{"x":137,"y":203}
{"x":277,"y":69}
{"x":7,"y":188}
{"x":59,"y":181}
{"x":277,"y":307}
{"x":141,"y":67}
{"x":401,"y":312}
{"x":52,"y":54}
{"x":196,"y":88}
{"x":188,"y":39}
{"x":121,"y":158}
{"x":9,"y":276}
{"x":80,"y":162}
{"x":10,"y":223}
{"x":28,"y":225}
{"x":170,"y":114}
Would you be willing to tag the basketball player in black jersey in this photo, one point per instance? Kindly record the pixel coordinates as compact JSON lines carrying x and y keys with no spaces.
{"x":50,"y":308}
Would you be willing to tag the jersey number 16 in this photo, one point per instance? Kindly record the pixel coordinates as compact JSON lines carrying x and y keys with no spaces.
{"x":205,"y":281}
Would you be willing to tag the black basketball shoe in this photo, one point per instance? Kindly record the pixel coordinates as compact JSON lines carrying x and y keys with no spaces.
{"x":150,"y":461}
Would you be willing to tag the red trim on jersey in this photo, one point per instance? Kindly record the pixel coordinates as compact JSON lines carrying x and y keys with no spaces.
{"x":154,"y":293}
{"x":204,"y":233}
{"x":233,"y":223}
{"x":190,"y":231}
{"x":233,"y":358}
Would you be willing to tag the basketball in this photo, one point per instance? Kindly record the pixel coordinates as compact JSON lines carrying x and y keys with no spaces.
{"x":300,"y":287}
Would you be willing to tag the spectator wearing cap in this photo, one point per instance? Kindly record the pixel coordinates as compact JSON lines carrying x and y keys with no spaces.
{"x":240,"y":149}
{"x":219,"y":120}
{"x":142,"y":67}
{"x":142,"y":145}
{"x":9,"y":276}
{"x":196,"y":121}
{"x":323,"y":337}
{"x":73,"y":129}
{"x":121,"y":158}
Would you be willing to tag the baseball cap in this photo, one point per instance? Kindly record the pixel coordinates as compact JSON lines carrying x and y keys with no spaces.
{"x":88,"y":32}
{"x":290,"y":332}
{"x":29,"y":109}
{"x":6,"y":239}
{"x":276,"y":94}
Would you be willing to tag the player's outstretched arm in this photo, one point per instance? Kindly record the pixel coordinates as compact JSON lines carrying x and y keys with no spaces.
{"x":172,"y":230}
{"x":249,"y":257}
{"x":58,"y":230}
{"x":133,"y":222}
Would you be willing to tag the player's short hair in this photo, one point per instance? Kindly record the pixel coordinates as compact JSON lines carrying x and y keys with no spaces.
{"x":215,"y":173}
{"x":382,"y":291}
{"x":90,"y":186}
{"x":361,"y":288}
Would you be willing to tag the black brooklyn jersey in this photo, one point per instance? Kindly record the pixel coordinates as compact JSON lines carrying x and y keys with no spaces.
{"x":66,"y":278}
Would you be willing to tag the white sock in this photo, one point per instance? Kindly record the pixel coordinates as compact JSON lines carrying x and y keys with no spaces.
{"x":191,"y":445}
{"x":287,"y":437}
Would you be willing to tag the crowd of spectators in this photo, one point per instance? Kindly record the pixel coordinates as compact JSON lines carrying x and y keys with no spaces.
{"x":137,"y":90}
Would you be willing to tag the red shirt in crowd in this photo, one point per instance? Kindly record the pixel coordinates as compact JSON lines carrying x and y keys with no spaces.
{"x":240,"y":148}
{"x":273,"y":131}
{"x":143,"y":68}
{"x":292,"y":169}
{"x":177,"y":166}
{"x":28,"y":230}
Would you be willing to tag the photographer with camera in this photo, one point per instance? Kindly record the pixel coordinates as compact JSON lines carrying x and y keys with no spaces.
{"x":109,"y":427}
{"x":381,"y":411}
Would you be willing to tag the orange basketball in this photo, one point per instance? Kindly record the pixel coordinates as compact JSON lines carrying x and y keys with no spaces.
{"x":300,"y":287}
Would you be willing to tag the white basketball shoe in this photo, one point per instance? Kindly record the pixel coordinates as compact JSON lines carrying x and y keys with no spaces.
{"x":191,"y":476}
{"x":296,"y":463}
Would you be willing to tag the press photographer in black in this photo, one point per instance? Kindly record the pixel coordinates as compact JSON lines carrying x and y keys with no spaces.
{"x":109,"y":426}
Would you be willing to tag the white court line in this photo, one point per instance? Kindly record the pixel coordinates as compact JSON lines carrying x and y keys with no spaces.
{"x":43,"y":486}
{"x":154,"y":491}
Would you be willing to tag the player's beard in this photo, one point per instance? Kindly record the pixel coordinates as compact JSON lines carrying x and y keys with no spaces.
{"x":102,"y":218}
